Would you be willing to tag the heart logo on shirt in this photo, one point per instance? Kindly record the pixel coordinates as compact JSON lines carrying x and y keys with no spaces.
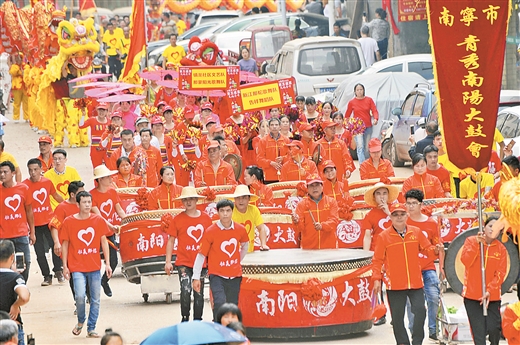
{"x":63,"y":187}
{"x":40,"y":195}
{"x":106,"y":208}
{"x":199,"y":230}
{"x":385,"y":223}
{"x":84,"y":234}
{"x":225,"y":246}
{"x":175,"y":55}
{"x":12,"y":201}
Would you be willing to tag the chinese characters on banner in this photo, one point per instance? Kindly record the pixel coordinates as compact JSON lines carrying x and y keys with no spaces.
{"x":209,"y":78}
{"x":411,"y":10}
{"x":468,"y":40}
{"x":143,"y":243}
{"x":259,"y":96}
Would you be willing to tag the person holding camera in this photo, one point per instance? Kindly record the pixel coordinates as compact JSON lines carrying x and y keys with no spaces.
{"x":13,"y":291}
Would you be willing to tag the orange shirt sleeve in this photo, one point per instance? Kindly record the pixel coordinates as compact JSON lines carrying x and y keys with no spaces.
{"x":197,"y":176}
{"x":230,"y":176}
{"x":262,"y":160}
{"x":331,"y":224}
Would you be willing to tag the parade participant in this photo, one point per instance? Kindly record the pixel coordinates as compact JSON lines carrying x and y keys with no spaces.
{"x":165,"y":142}
{"x":168,"y":124}
{"x":444,"y":161}
{"x":223,"y":242}
{"x":331,"y":186}
{"x":112,"y":41}
{"x":127,"y":115}
{"x":341,"y":132}
{"x":45,"y":157}
{"x":274,"y":112}
{"x":271,"y":152}
{"x":316,"y":217}
{"x":40,"y":189}
{"x":136,"y":154}
{"x":398,"y":248}
{"x":97,"y":126}
{"x":228,"y":313}
{"x":214,"y":171}
{"x":216,"y":132}
{"x":428,"y":226}
{"x":18,"y":88}
{"x":513,"y":165}
{"x":173,"y":53}
{"x":431,"y":128}
{"x":335,"y":150}
{"x":376,"y":166}
{"x":142,"y":123}
{"x":380,"y":197}
{"x":9,"y":332}
{"x":254,"y":179}
{"x":17,"y":214}
{"x":7,"y":157}
{"x":310,"y":109}
{"x":326,"y":111}
{"x":431,"y":153}
{"x":263,"y":130}
{"x":285,"y":127}
{"x":161,"y":106}
{"x":206,"y":111}
{"x":124,"y":178}
{"x":241,"y":143}
{"x":249,"y":216}
{"x":107,"y":204}
{"x":15,"y":293}
{"x":299,"y":167}
{"x":495,"y":272}
{"x":468,"y":186}
{"x":364,"y":108}
{"x":61,"y":175}
{"x":188,"y":228}
{"x":428,"y":184}
{"x":307,"y":139}
{"x":300,"y":103}
{"x":82,"y":260}
{"x":164,"y":195}
{"x":166,"y":94}
{"x":511,"y":323}
{"x":111,"y":138}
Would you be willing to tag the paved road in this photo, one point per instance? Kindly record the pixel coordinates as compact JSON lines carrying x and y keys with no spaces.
{"x":49,"y":315}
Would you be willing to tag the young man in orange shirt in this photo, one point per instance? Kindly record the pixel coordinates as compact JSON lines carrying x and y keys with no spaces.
{"x":298,"y":167}
{"x":398,"y":247}
{"x":40,"y":189}
{"x":317,"y":218}
{"x":83,"y":234}
{"x":431,"y":153}
{"x":188,"y":228}
{"x":225,"y":245}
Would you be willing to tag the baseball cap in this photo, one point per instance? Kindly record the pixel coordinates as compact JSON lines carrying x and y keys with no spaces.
{"x":374,"y":145}
{"x":102,"y":105}
{"x":189,"y":112}
{"x":116,"y":114}
{"x":45,"y":139}
{"x":156,"y":120}
{"x":167,"y":108}
{"x":326,"y":124}
{"x":216,"y":128}
{"x":397,"y":207}
{"x":295,"y":143}
{"x":313,"y":179}
{"x":141,"y":120}
{"x":328,"y":164}
{"x":161,"y":103}
{"x":213,"y":144}
{"x":306,"y":127}
{"x":211,"y":119}
{"x":207,"y":105}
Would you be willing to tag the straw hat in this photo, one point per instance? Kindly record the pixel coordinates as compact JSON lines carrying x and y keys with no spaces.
{"x":102,"y":171}
{"x":393,"y":192}
{"x":189,"y":192}
{"x":242,"y":190}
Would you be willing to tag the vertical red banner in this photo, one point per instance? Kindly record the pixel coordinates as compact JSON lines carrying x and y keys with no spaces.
{"x":468,"y":40}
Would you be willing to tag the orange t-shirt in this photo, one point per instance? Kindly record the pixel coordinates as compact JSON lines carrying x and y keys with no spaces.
{"x":41,"y":205}
{"x":430,"y":229}
{"x":222,"y":248}
{"x":444,"y":176}
{"x":84,"y":237}
{"x":377,"y":221}
{"x":188,"y":231}
{"x":62,"y":211}
{"x":163,"y":96}
{"x":12,"y":206}
{"x":106,"y":203}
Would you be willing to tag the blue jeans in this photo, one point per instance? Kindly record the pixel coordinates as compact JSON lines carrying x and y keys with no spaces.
{"x":21,"y":244}
{"x":93,"y":279}
{"x":21,"y":335}
{"x":432,"y":295}
{"x":362,"y":144}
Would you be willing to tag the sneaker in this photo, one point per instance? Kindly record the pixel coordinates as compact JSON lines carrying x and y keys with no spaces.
{"x":185,"y":319}
{"x":47,"y":281}
{"x":433,"y":337}
{"x":380,"y":322}
{"x":59,"y":276}
{"x":106,"y":288}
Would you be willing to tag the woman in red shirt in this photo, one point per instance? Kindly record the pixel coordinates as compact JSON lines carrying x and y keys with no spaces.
{"x":365,"y":109}
{"x":428,"y":184}
{"x":341,"y":132}
{"x":124,"y":178}
{"x":164,"y":195}
{"x":254,"y":179}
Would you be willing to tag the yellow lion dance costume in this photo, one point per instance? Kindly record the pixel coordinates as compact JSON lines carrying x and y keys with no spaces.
{"x":78,"y":45}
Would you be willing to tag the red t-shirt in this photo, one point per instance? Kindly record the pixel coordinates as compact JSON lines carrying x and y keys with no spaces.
{"x":106,"y":203}
{"x":361,"y":109}
{"x":189,"y":232}
{"x":84,"y":237}
{"x":444,"y":176}
{"x":430,"y":229}
{"x":41,"y":205}
{"x":13,"y":217}
{"x":222,"y":248}
{"x":62,"y":211}
{"x":378,"y":221}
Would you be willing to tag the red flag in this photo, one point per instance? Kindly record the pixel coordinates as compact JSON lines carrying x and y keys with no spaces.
{"x":87,"y":8}
{"x":468,"y":40}
{"x":137,"y":41}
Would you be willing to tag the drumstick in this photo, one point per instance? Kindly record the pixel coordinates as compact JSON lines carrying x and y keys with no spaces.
{"x":312,"y":217}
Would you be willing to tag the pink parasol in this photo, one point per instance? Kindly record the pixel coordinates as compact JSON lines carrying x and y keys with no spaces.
{"x":210,"y":93}
{"x":89,"y":77}
{"x":95,"y":93}
{"x":158,"y":75}
{"x":122,"y":98}
{"x":119,"y":89}
{"x":174,"y":84}
{"x":106,"y":84}
{"x":250,"y":77}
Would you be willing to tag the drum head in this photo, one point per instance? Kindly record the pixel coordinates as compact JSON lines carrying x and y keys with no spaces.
{"x":455,"y":270}
{"x":236,"y":163}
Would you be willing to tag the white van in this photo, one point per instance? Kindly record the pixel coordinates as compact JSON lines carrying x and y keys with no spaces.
{"x":319,"y":64}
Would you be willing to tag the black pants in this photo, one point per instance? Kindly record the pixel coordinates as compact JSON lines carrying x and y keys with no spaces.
{"x":44,"y":234}
{"x":114,"y":66}
{"x":224,"y":291}
{"x":483,"y":325}
{"x":456,"y":180}
{"x":113,"y":258}
{"x":383,"y":48}
{"x":397,"y":302}
{"x":185,"y":274}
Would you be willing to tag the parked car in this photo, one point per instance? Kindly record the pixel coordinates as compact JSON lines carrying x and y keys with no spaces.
{"x":508,"y":123}
{"x":217,"y":16}
{"x":240,"y":23}
{"x":319,"y":64}
{"x":418,"y":63}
